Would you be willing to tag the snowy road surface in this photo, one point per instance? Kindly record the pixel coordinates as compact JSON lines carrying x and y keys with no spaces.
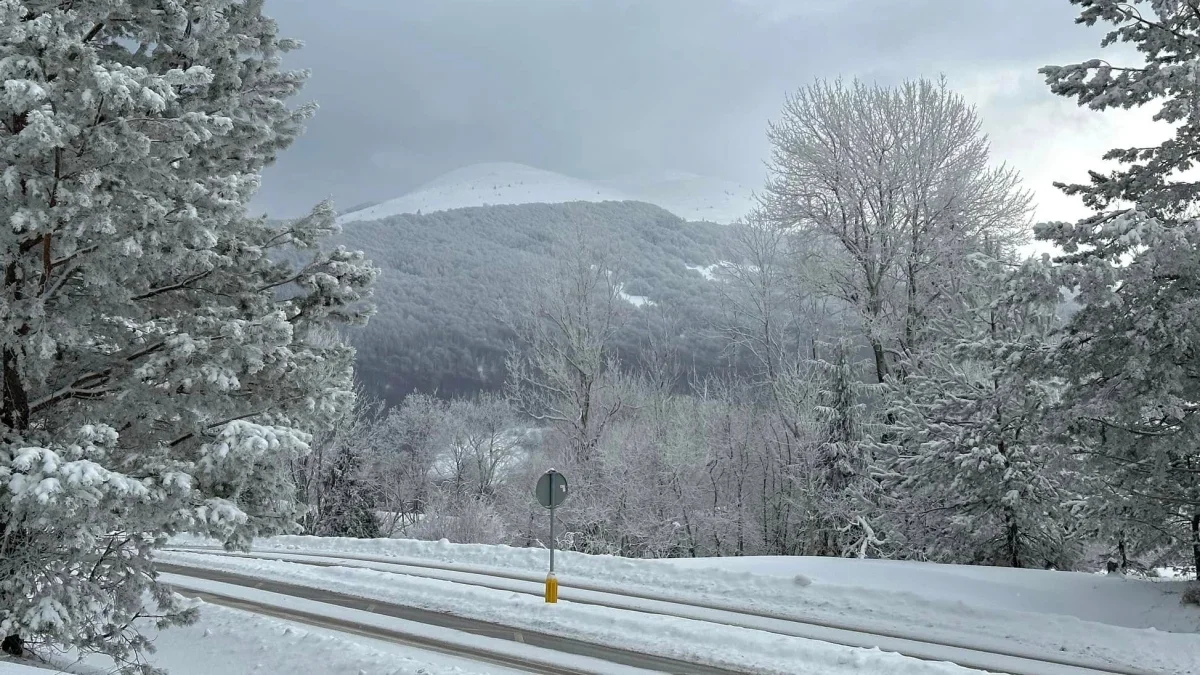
{"x":684,"y":649}
{"x":1010,"y":660}
{"x":758,"y":641}
{"x":1123,"y":622}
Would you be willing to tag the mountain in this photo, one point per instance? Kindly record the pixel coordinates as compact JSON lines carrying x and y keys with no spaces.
{"x":688,"y":196}
{"x":448,"y":277}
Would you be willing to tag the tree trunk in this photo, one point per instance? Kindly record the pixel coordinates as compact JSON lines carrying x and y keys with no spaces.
{"x":1196,"y":543}
{"x":881,"y":367}
{"x":14,"y":402}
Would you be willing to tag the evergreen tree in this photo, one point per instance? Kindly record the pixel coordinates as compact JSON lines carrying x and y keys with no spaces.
{"x":347,"y":509}
{"x":1130,"y":352}
{"x":162,"y":359}
{"x":844,"y":455}
{"x":978,"y":478}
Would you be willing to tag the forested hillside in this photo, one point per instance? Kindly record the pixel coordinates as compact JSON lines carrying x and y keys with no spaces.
{"x":451,"y":281}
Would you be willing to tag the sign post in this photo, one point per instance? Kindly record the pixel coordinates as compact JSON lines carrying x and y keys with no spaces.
{"x":551,"y":491}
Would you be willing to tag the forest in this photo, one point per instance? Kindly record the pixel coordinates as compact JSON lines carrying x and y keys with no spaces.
{"x":454,"y":282}
{"x":866,"y":366}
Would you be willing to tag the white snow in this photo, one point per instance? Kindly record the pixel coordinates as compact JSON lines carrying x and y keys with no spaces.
{"x":635,"y":300}
{"x":688,"y":196}
{"x":1114,"y":620}
{"x":708,"y":271}
{"x":386,"y":654}
{"x":489,"y":184}
{"x":1112,"y":600}
{"x":9,"y":668}
{"x":668,"y":636}
{"x":235,"y":642}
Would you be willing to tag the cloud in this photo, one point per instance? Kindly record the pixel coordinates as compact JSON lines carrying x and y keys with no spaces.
{"x":595,"y":88}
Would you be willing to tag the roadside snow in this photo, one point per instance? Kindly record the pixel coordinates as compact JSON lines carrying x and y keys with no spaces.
{"x":10,"y":668}
{"x":233,"y":642}
{"x":1113,"y":600}
{"x":673,"y":637}
{"x":873,"y":595}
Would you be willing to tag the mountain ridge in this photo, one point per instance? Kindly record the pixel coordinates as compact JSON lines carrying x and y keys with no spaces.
{"x":688,"y":196}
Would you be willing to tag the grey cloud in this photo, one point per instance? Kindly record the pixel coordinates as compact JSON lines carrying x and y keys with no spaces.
{"x":410,"y":89}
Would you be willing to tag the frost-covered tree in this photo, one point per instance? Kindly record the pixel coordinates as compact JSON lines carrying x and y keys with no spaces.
{"x":978,"y":479}
{"x":888,"y":190}
{"x":1130,"y":351}
{"x":348,"y":506}
{"x":356,"y":433}
{"x":162,"y":358}
{"x":563,"y":371}
{"x":409,"y":440}
{"x":846,"y":437}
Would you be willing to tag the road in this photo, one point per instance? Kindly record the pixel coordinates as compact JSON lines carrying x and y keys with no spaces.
{"x":466,"y":625}
{"x":971,"y":656}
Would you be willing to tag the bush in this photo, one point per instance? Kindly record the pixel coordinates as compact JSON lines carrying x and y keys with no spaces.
{"x":471,"y":521}
{"x":1191,"y":596}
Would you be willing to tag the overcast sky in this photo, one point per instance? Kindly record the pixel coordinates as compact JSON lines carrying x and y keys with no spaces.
{"x":410,"y":89}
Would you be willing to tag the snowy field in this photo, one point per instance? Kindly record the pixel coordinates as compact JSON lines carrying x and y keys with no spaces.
{"x":1127,"y":622}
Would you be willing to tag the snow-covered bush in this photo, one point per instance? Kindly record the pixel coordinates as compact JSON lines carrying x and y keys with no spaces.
{"x":470,"y":520}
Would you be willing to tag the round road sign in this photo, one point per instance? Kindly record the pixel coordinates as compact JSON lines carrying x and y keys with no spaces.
{"x":551,"y":489}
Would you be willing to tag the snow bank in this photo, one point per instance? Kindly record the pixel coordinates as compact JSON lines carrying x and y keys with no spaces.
{"x":233,"y":642}
{"x":1112,"y":600}
{"x":1029,"y":609}
{"x":668,"y":636}
{"x":10,"y":668}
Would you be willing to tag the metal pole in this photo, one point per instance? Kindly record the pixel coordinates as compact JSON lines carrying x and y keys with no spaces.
{"x":551,"y":540}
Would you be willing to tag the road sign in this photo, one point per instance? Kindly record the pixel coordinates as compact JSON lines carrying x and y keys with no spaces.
{"x":551,"y":489}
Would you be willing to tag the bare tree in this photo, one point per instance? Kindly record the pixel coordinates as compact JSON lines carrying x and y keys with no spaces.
{"x":484,"y":439}
{"x":888,"y":190}
{"x":408,"y":442}
{"x":563,"y":371}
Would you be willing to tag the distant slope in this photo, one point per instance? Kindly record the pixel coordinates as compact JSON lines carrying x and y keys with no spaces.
{"x":686,"y":195}
{"x":448,"y":276}
{"x":489,"y":185}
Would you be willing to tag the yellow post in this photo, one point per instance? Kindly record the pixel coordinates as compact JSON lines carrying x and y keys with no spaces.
{"x":551,"y":588}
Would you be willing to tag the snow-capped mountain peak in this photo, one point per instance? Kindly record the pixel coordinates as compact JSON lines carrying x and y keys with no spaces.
{"x":688,"y":196}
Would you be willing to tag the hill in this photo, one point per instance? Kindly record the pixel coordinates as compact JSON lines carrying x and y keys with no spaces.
{"x":688,"y":196}
{"x":449,"y":277}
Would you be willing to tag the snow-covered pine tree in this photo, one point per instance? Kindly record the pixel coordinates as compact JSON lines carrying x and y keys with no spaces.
{"x":981,"y":482}
{"x":161,"y":355}
{"x":845,"y":441}
{"x":348,"y":509}
{"x":1131,"y":352}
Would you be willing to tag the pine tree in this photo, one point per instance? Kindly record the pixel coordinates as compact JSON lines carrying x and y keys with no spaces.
{"x":1130,"y":353}
{"x":844,"y":455}
{"x":162,"y":356}
{"x":981,"y":479}
{"x":347,"y":509}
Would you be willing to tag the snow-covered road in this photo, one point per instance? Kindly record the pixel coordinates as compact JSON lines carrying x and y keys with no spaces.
{"x":669,"y":623}
{"x":983,"y":657}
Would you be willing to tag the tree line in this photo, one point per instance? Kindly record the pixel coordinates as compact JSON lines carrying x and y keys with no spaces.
{"x":913,"y":387}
